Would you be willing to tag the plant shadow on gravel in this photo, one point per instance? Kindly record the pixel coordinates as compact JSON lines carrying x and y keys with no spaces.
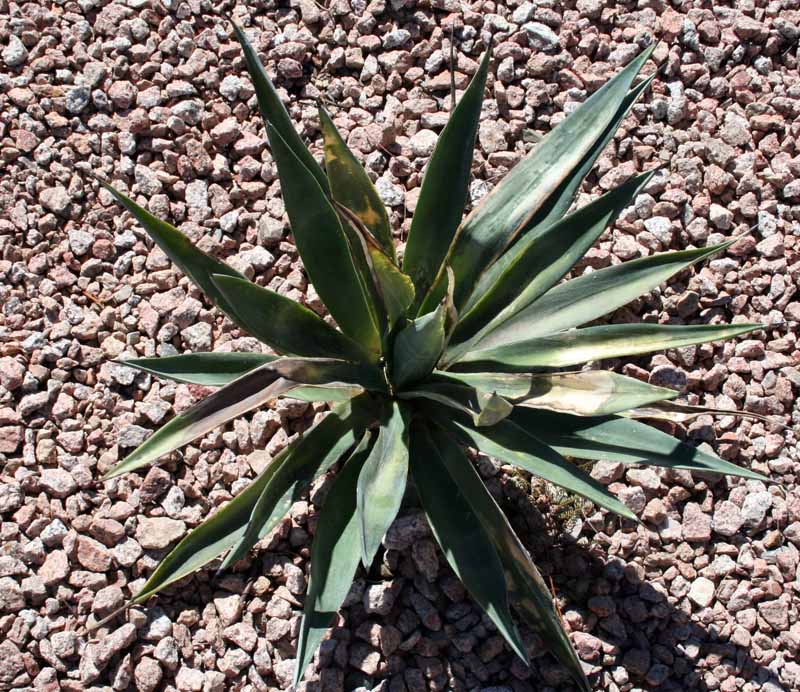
{"x":441,"y":637}
{"x":647,"y":642}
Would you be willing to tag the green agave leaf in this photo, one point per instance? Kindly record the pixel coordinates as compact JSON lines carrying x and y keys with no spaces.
{"x":527,"y":591}
{"x":311,"y":455}
{"x":362,"y":245}
{"x":219,"y":369}
{"x":382,"y":482}
{"x":324,"y":248}
{"x":390,"y":288}
{"x":593,"y":295}
{"x":440,"y":395}
{"x":621,"y":439}
{"x":588,"y":393}
{"x":284,"y":324}
{"x":483,"y":408}
{"x":512,"y":205}
{"x":240,"y":396}
{"x":329,"y":371}
{"x":596,"y":343}
{"x":225,"y":527}
{"x":196,"y":264}
{"x":335,"y":553}
{"x":395,"y":287}
{"x":273,"y":111}
{"x":493,"y":408}
{"x":677,"y":412}
{"x":508,"y":441}
{"x":559,"y":201}
{"x":351,"y":186}
{"x":542,"y":259}
{"x":418,"y":346}
{"x":444,"y":189}
{"x":209,"y":369}
{"x":329,"y":392}
{"x":209,"y":540}
{"x":244,"y":394}
{"x":466,"y":543}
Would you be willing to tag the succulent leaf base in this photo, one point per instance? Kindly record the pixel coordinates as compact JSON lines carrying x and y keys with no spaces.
{"x":471,"y":341}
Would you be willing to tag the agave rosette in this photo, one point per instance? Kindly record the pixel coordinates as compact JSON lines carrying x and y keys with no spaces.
{"x":463,"y":344}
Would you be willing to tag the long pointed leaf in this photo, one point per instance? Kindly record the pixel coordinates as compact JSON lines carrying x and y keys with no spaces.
{"x":418,"y":346}
{"x":244,"y":394}
{"x":396,"y":288}
{"x":324,"y":248}
{"x":362,"y":245}
{"x":219,"y":369}
{"x":595,"y":343}
{"x":677,"y":412}
{"x":560,"y":200}
{"x":390,"y":287}
{"x":213,"y":369}
{"x":542,"y":259}
{"x":240,"y":396}
{"x":196,"y":264}
{"x":527,"y":591}
{"x":350,"y":185}
{"x":273,"y":111}
{"x":463,"y":538}
{"x":310,"y":456}
{"x":444,"y":188}
{"x":588,"y":393}
{"x":382,"y":482}
{"x":511,"y":206}
{"x":516,"y":445}
{"x":225,"y":528}
{"x":334,"y":558}
{"x":620,"y":439}
{"x":593,"y":295}
{"x":324,"y":392}
{"x":284,"y":324}
{"x":440,"y":395}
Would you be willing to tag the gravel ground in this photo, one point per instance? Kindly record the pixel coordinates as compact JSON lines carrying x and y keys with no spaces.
{"x":152,"y":94}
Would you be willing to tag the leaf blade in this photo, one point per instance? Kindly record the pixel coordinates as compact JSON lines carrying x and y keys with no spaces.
{"x":542,"y":259}
{"x":309,"y":457}
{"x":596,"y":343}
{"x":527,"y":590}
{"x":396,"y":288}
{"x":507,"y":210}
{"x":621,"y":439}
{"x":593,"y":295}
{"x":677,"y":412}
{"x":508,"y":441}
{"x":272,"y":109}
{"x":284,"y":324}
{"x":225,"y":527}
{"x":335,"y":543}
{"x":418,"y":346}
{"x":558,"y":203}
{"x":587,"y":393}
{"x":382,"y":483}
{"x":324,"y":248}
{"x":324,"y":392}
{"x":196,"y":264}
{"x":445,"y":186}
{"x":351,"y":186}
{"x":465,"y":543}
{"x":211,"y":369}
{"x":244,"y":394}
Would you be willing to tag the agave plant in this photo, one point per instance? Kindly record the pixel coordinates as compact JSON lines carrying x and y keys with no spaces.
{"x":462,"y":344}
